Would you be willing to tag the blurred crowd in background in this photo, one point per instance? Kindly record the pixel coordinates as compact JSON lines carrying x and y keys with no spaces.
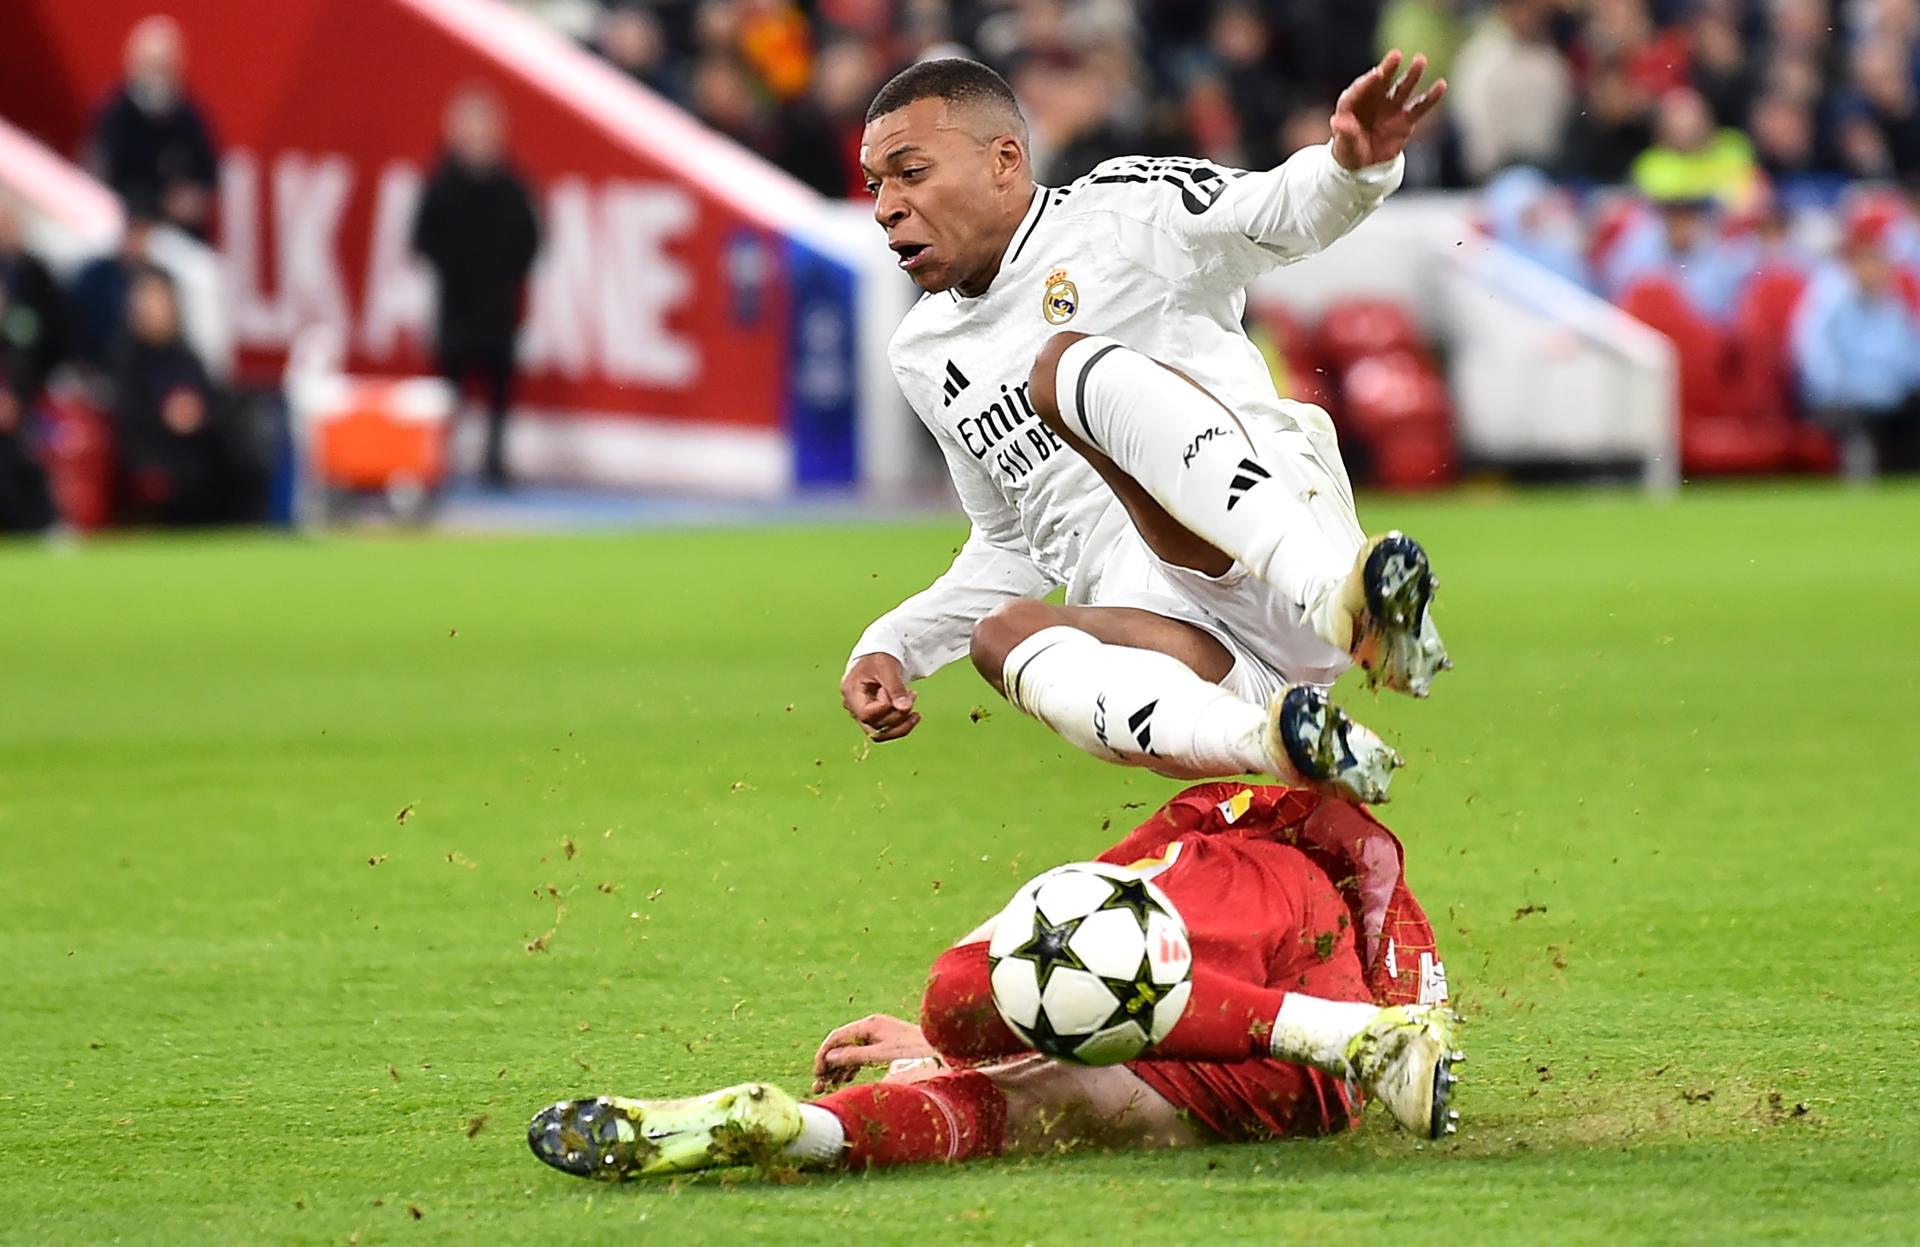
{"x":1697,"y":93}
{"x":143,"y":329}
{"x":1742,"y":174}
{"x":1657,"y":152}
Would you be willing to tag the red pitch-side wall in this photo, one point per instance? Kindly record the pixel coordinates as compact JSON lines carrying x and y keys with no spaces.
{"x":653,"y":298}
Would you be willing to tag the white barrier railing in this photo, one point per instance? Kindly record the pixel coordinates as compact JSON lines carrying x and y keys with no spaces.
{"x":1541,"y":371}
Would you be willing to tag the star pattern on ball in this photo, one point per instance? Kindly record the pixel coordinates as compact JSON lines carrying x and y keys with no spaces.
{"x":1136,"y":996}
{"x":1047,"y":948}
{"x":1132,"y":895}
{"x":1045,"y":1040}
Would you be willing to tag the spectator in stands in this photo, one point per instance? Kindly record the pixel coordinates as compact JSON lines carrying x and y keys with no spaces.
{"x":1903,"y":239}
{"x":35,"y":324}
{"x":1526,"y":212}
{"x":820,"y":143}
{"x":1784,"y":137}
{"x":151,"y":142}
{"x":98,"y":295}
{"x":1075,"y":123}
{"x":99,"y":292}
{"x":1760,"y":236}
{"x":1430,"y":26}
{"x":1856,"y":342}
{"x":170,"y":436}
{"x":477,"y":229}
{"x":1718,"y":64}
{"x":722,"y":95}
{"x":1691,"y":158}
{"x":1512,"y":90}
{"x":1241,"y":43}
{"x":1612,"y":128}
{"x":24,"y":505}
{"x":777,"y":45}
{"x":630,"y":37}
{"x":1884,"y":99}
{"x":1681,"y":244}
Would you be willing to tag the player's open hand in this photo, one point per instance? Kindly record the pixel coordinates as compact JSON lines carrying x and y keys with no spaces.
{"x":874,"y":1040}
{"x":1376,"y":115}
{"x":875,"y":693}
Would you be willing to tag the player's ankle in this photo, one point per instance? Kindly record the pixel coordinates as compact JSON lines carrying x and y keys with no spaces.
{"x":822,"y":1141}
{"x":1313,"y":1031}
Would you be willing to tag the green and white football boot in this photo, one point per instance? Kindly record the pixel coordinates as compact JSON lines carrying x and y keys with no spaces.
{"x":1405,"y":1059}
{"x":610,"y":1137}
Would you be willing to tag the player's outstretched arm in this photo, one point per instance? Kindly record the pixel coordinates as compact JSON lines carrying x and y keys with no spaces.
{"x":1376,"y":115}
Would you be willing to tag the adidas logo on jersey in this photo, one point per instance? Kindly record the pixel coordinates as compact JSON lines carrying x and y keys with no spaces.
{"x":956,"y":382}
{"x":1245,"y":478}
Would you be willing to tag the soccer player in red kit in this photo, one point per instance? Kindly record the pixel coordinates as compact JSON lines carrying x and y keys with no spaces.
{"x":1315,"y":978}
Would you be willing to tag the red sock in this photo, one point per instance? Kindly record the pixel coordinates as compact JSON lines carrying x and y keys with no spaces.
{"x":1226,"y":1020}
{"x":953,"y":1117}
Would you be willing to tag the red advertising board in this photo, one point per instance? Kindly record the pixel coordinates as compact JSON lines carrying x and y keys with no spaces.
{"x":661,"y":296}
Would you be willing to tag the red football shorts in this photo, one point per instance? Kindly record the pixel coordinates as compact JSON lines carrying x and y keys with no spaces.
{"x":1268,"y":1098}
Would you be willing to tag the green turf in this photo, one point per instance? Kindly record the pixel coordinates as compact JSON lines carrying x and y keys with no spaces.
{"x":326,"y":862}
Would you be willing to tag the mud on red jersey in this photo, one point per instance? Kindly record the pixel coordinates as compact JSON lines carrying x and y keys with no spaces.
{"x":1364,"y":860}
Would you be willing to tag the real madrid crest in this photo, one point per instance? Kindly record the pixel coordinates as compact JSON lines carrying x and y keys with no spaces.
{"x":1061,"y":299}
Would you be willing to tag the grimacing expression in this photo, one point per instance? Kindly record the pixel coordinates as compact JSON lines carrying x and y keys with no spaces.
{"x":939,"y":181}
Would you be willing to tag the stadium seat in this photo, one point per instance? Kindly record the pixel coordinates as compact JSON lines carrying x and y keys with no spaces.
{"x":1762,"y":325}
{"x":1398,"y":408}
{"x":1354,"y":329}
{"x":1815,"y":449}
{"x":1290,"y":348}
{"x":1611,"y":222}
{"x":1727,"y":423}
{"x":1722,"y":444}
{"x":1763,"y":329}
{"x":1414,"y":458}
{"x":78,"y":458}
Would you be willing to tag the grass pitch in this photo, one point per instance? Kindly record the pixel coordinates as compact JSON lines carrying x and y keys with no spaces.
{"x":326,"y":863}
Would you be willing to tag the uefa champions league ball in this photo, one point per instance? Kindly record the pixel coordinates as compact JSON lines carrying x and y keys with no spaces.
{"x":1091,"y":964}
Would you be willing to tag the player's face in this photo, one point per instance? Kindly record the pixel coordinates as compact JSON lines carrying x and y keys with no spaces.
{"x":937,"y":191}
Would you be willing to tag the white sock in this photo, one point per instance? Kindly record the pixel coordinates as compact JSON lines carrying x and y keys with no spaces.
{"x":1316,"y":1032}
{"x":1137,"y":707}
{"x":822,"y":1137}
{"x":1187,"y":451}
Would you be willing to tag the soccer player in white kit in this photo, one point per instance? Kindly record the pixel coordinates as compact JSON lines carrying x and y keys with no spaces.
{"x":1079,"y":357}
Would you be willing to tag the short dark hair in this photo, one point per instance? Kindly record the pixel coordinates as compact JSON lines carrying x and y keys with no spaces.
{"x":954,"y":79}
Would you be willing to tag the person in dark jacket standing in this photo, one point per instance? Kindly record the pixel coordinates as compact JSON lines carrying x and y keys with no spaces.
{"x":151,"y":143}
{"x":477,"y":230}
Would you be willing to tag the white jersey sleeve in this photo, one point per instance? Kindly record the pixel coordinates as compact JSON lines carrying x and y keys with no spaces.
{"x":935,"y":626}
{"x":1223,"y":227}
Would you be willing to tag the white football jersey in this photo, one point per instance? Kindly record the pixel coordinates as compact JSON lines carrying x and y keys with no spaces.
{"x":1153,"y":251}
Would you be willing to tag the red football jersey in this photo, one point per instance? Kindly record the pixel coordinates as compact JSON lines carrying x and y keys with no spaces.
{"x":1241,"y":907}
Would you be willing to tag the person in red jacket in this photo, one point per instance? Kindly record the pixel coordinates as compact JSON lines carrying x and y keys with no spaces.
{"x":1315,"y":978}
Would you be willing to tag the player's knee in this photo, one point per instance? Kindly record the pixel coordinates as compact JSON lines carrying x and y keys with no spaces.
{"x":957,"y":1015}
{"x":1041,"y":385}
{"x":1004,"y":627}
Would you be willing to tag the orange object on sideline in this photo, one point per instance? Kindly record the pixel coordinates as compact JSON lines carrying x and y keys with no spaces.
{"x":375,"y":436}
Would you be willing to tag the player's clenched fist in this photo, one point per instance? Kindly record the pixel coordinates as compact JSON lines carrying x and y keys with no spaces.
{"x":875,"y":693}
